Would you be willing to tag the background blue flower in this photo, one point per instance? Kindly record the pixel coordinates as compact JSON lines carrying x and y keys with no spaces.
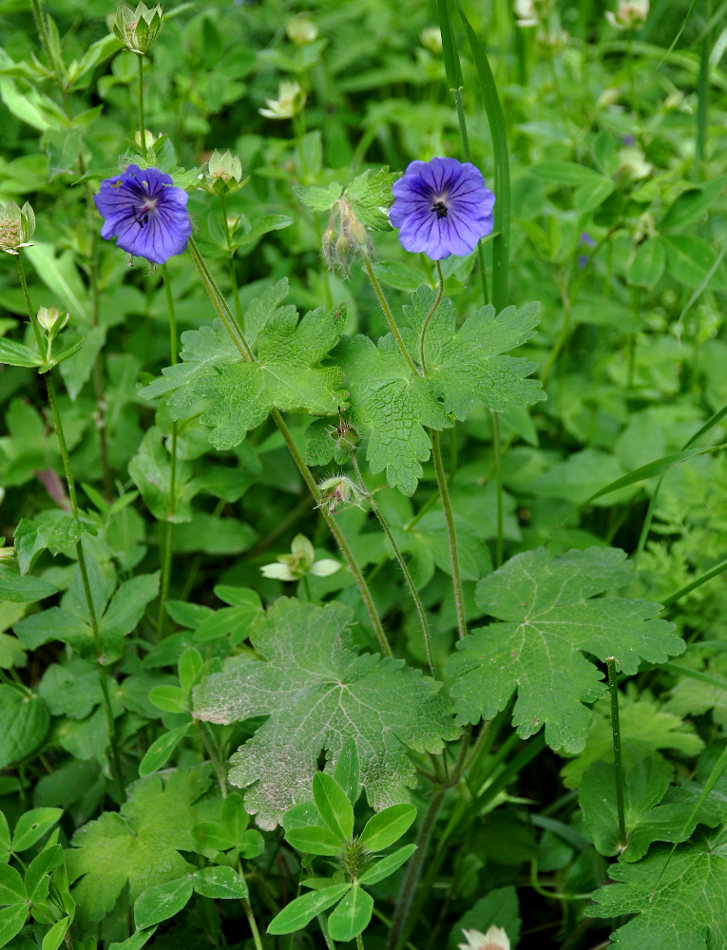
{"x":146,"y":211}
{"x":442,"y":207}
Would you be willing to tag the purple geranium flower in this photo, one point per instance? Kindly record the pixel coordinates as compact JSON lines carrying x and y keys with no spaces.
{"x":146,"y":211}
{"x":441,"y":207}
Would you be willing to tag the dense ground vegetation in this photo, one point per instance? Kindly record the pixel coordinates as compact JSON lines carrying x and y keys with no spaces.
{"x":355,"y":595}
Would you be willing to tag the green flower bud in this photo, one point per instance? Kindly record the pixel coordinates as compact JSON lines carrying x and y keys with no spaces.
{"x":301,"y":30}
{"x":137,"y":29}
{"x":344,"y":237}
{"x":340,"y":490}
{"x":52,"y":321}
{"x":225,"y":172}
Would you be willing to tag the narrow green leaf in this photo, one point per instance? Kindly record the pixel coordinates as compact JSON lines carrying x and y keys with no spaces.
{"x":347,"y":770}
{"x":162,"y":901}
{"x":234,"y":818}
{"x":302,"y":910}
{"x":333,"y":805}
{"x":161,"y":748}
{"x":135,"y":941}
{"x":387,"y":826}
{"x":169,"y":698}
{"x":220,"y":883}
{"x":189,"y":666}
{"x":648,"y":263}
{"x":17,"y":354}
{"x":314,"y":840}
{"x":386,"y":866}
{"x":568,"y":173}
{"x":32,"y":825}
{"x":352,"y":915}
{"x":4,"y":838}
{"x":54,"y":937}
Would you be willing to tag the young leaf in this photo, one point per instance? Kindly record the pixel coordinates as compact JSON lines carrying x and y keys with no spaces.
{"x":161,"y":901}
{"x":24,"y":722}
{"x":352,"y":915}
{"x":161,"y":748}
{"x":390,"y":405}
{"x":318,"y":692}
{"x":314,"y":839}
{"x":219,"y":882}
{"x":334,"y":807}
{"x":347,"y":770}
{"x":302,"y":910}
{"x":681,"y":908}
{"x":392,"y":862}
{"x":550,"y":618}
{"x":388,"y":826}
{"x":32,"y":825}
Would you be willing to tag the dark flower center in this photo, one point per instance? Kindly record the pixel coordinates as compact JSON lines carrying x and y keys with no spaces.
{"x":440,"y":208}
{"x":142,"y":212}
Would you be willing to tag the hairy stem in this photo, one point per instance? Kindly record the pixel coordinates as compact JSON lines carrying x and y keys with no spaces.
{"x":617,"y":762}
{"x":389,"y":315}
{"x":423,"y":331}
{"x":402,"y":564}
{"x":228,"y":319}
{"x":169,"y":523}
{"x":451,"y":534}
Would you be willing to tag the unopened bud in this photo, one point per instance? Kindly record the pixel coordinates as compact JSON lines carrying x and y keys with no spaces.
{"x":431,"y":39}
{"x":344,"y":237}
{"x":301,"y":30}
{"x":137,"y":29}
{"x":16,"y":227}
{"x":52,"y":320}
{"x":225,"y":172}
{"x":290,"y":102}
{"x":629,"y":14}
{"x":340,"y":490}
{"x":148,"y":139}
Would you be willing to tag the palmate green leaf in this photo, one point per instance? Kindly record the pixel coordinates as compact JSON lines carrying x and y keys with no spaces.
{"x":140,"y":844}
{"x":318,"y":692}
{"x":232,"y":395}
{"x":681,"y":908}
{"x":370,"y":194}
{"x":551,"y":615}
{"x":393,"y":406}
{"x":466,"y":365}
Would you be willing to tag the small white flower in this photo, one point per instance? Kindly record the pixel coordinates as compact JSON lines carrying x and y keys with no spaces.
{"x":629,"y":14}
{"x":290,"y":101}
{"x":495,"y":939}
{"x":300,"y":561}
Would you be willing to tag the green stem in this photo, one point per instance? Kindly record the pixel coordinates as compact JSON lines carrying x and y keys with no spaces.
{"x":451,"y":534}
{"x":496,"y":461}
{"x":169,"y":523}
{"x":401,"y":562}
{"x":58,"y":66}
{"x":71,"y":483}
{"x":333,"y":527}
{"x":359,"y":942}
{"x":220,"y":304}
{"x":422,"y":332}
{"x":241,"y":343}
{"x":95,"y":632}
{"x":703,"y":89}
{"x":231,"y":265}
{"x":400,"y":925}
{"x":140,"y":97}
{"x":618,"y":764}
{"x":389,"y":315}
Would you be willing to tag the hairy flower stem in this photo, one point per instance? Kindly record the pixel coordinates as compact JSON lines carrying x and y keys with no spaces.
{"x":142,"y":128}
{"x":231,"y":265}
{"x":237,"y":337}
{"x":451,"y":534}
{"x":169,"y":523}
{"x":617,"y":761}
{"x":389,"y":315}
{"x":401,"y":925}
{"x":495,"y":419}
{"x":422,"y":332}
{"x":71,"y":483}
{"x":402,"y":564}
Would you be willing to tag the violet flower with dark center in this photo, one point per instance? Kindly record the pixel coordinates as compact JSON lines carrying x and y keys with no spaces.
{"x":441,"y":207}
{"x":145,"y":212}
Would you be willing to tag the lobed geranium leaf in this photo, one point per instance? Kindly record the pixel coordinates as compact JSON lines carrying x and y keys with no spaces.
{"x":680,"y":905}
{"x":139,"y":845}
{"x":467,"y":365}
{"x":551,"y":616}
{"x":391,"y":405}
{"x":318,"y":692}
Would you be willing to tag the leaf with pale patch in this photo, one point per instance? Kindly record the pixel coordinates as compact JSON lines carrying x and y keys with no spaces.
{"x":317,"y":692}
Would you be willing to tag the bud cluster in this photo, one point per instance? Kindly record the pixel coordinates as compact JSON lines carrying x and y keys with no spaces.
{"x":16,"y":227}
{"x":344,"y":237}
{"x":340,"y":490}
{"x":137,"y":29}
